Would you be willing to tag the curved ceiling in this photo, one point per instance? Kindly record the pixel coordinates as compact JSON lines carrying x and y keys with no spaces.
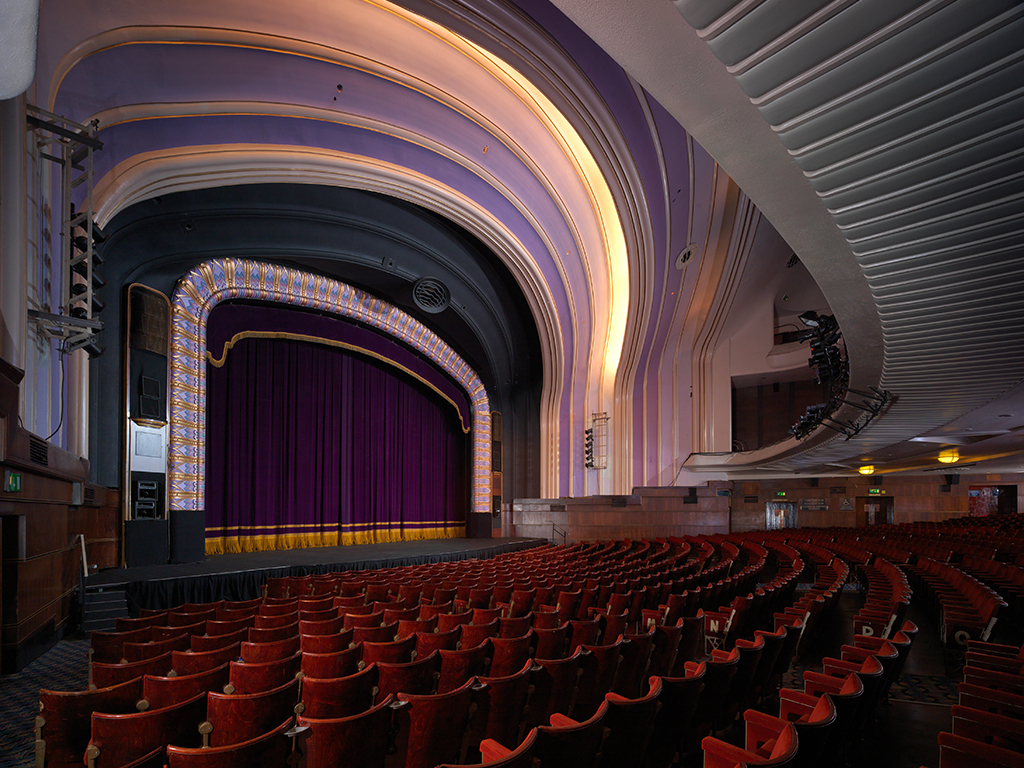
{"x":896,"y":127}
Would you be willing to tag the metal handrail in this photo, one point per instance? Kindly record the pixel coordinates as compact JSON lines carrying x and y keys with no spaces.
{"x":555,"y":529}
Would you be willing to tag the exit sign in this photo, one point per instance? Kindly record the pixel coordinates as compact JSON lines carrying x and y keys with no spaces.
{"x":875,"y":491}
{"x":12,"y":481}
{"x":780,"y":493}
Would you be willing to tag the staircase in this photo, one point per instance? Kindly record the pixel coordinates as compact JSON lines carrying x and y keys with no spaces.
{"x":102,"y":605}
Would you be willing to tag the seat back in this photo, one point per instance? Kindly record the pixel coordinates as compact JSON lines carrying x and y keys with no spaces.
{"x":257,"y":653}
{"x":232,"y":719}
{"x":434,"y":728}
{"x":457,"y":667}
{"x":415,"y":677}
{"x":336,"y":697}
{"x":636,"y":657}
{"x":255,"y":678}
{"x":599,"y":665}
{"x":106,"y":675}
{"x":510,"y":653}
{"x":160,"y":692}
{"x":500,"y":708}
{"x":331,"y":643}
{"x":119,"y":739}
{"x":362,"y":740}
{"x":678,"y":703}
{"x":572,"y":744}
{"x":194,"y":662}
{"x":630,"y":723}
{"x":393,"y":651}
{"x":554,"y":687}
{"x":65,"y":718}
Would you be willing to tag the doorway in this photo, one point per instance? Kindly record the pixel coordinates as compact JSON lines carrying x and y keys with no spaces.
{"x":985,"y":500}
{"x":780,"y":514}
{"x":874,"y":510}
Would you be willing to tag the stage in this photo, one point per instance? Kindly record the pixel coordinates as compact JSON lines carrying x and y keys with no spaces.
{"x":241,"y":576}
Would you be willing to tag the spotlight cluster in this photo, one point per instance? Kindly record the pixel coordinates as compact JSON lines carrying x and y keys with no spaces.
{"x":832,"y":369}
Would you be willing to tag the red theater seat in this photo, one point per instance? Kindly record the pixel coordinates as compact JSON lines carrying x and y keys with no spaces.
{"x":269,"y":749}
{"x":106,"y":675}
{"x":417,"y":677}
{"x":457,"y":667}
{"x":160,"y":692}
{"x":568,"y":743}
{"x":434,"y":728}
{"x":255,"y":678}
{"x":500,"y":708}
{"x":119,"y":739}
{"x":65,"y":717}
{"x":257,"y":653}
{"x":630,"y":723}
{"x":336,"y":697}
{"x":332,"y":643}
{"x":360,"y":741}
{"x":231,"y":719}
{"x":720,"y":754}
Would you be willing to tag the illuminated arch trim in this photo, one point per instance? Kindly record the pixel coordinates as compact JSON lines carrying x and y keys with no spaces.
{"x":218,"y":280}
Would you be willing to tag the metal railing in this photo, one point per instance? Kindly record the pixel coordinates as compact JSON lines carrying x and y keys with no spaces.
{"x":556,"y":530}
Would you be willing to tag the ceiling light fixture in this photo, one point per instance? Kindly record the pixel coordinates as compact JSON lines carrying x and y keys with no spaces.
{"x":867,"y":469}
{"x":949,"y":456}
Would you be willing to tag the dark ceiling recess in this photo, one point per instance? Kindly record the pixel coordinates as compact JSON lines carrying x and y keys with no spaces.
{"x":431,"y":295}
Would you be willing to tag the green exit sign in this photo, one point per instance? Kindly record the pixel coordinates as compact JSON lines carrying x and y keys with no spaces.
{"x":780,"y":493}
{"x":875,"y":491}
{"x":12,"y":481}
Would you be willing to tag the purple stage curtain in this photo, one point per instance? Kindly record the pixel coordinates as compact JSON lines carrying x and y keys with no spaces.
{"x":312,"y":445}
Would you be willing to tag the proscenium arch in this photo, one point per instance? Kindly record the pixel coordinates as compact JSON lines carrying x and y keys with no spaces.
{"x":149,"y":175}
{"x":212,"y":282}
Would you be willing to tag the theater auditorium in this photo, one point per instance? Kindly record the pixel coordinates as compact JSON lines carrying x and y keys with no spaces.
{"x":412,"y":383}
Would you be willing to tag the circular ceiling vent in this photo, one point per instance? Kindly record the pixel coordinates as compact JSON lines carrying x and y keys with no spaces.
{"x":431,"y":295}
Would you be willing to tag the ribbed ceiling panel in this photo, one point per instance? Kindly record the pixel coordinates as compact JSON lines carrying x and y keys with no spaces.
{"x":907,"y":118}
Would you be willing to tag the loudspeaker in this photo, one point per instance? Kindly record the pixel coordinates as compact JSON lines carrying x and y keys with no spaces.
{"x":147,"y":495}
{"x":952,"y":479}
{"x":814,"y":482}
{"x":188,"y":535}
{"x":145,"y":543}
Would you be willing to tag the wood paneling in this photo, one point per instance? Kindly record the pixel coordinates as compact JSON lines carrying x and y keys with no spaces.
{"x":42,"y":562}
{"x":651,"y":512}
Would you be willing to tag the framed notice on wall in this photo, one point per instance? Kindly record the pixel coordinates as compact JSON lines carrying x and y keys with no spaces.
{"x":814,"y":505}
{"x":846,"y":504}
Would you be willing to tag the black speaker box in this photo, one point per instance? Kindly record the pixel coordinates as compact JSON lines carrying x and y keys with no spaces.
{"x":188,"y":535}
{"x":145,"y":543}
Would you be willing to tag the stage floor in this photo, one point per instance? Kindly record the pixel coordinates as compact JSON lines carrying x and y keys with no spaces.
{"x":241,"y":576}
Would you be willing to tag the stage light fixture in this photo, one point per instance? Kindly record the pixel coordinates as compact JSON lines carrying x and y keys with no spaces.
{"x":810,"y":319}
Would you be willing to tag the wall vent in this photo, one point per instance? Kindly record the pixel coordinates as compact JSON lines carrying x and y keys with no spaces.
{"x":431,"y":295}
{"x":38,"y":451}
{"x":89,"y":495}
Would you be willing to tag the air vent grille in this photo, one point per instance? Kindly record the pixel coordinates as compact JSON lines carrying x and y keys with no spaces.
{"x":38,"y":451}
{"x":431,"y":295}
{"x":89,"y":495}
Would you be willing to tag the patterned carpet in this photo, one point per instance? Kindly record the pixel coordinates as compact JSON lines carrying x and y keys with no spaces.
{"x":63,"y":667}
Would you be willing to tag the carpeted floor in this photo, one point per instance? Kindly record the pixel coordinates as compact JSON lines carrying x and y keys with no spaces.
{"x":65,"y":667}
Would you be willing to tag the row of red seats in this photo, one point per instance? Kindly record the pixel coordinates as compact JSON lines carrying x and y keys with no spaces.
{"x":988,"y":723}
{"x":966,"y":608}
{"x":192,"y":610}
